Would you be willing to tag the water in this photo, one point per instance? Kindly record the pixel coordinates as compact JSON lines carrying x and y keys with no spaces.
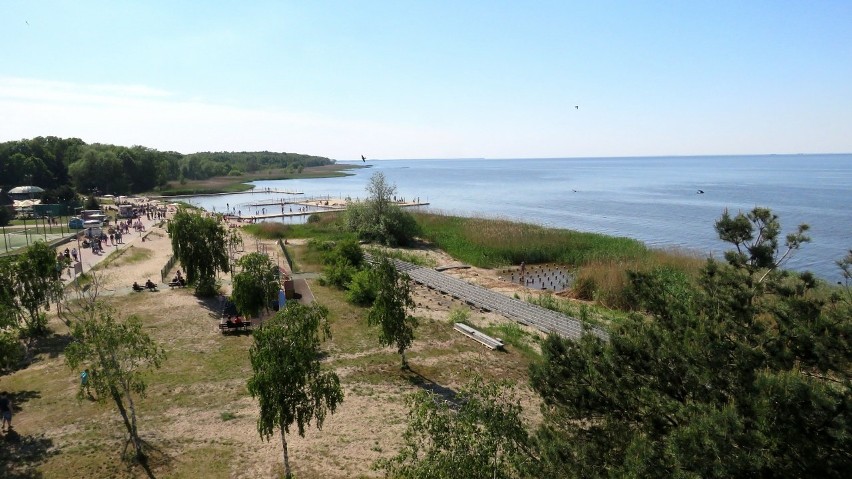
{"x":652,"y":199}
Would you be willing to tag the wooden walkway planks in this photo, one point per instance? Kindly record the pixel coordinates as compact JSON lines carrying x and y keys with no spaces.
{"x":520,"y":311}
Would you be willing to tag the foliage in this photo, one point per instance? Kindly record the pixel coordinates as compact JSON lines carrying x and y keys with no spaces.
{"x":92,"y":203}
{"x":390,"y":308}
{"x":200,"y":244}
{"x":379,"y":219}
{"x":480,"y":434}
{"x":6,"y":215}
{"x":30,"y":283}
{"x":362,"y":288}
{"x":287,"y":378}
{"x":341,"y":262}
{"x":116,"y":355}
{"x":256,"y":284}
{"x":744,"y":374}
{"x":51,"y":162}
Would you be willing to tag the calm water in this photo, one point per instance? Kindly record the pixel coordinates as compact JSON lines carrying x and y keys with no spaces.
{"x":655,"y":200}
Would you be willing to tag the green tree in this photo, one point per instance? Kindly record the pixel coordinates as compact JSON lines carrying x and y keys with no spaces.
{"x":116,"y":354}
{"x":92,"y":203}
{"x":256,"y":284}
{"x":200,"y":245}
{"x":390,"y":308}
{"x":36,"y":284}
{"x":744,"y":374}
{"x":479,"y":434}
{"x":379,"y":218}
{"x":7,"y":214}
{"x":287,"y":378}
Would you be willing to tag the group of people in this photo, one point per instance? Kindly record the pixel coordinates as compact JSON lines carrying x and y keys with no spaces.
{"x":178,"y":280}
{"x":148,"y":284}
{"x":234,"y":321}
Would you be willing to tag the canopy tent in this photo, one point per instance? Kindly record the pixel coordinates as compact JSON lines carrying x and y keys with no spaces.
{"x":25,"y":190}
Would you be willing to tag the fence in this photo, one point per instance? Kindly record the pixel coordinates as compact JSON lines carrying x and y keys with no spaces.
{"x":286,"y":254}
{"x":164,"y":273}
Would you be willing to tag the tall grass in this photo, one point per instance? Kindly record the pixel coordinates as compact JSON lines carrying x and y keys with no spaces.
{"x":324,"y":227}
{"x":490,"y":243}
{"x":605,"y":282}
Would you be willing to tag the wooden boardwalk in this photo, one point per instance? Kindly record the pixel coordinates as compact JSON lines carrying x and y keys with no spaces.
{"x":520,"y":311}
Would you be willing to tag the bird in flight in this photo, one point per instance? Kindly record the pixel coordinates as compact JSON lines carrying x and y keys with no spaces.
{"x":700,"y":192}
{"x":577,"y":107}
{"x":363,"y":158}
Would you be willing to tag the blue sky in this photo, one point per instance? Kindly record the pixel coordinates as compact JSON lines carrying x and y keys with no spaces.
{"x":432,"y":79}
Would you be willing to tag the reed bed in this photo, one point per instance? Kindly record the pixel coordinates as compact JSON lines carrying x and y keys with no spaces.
{"x":605,"y":282}
{"x":490,"y":243}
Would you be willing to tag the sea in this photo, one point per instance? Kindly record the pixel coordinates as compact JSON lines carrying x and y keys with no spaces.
{"x":665,"y":202}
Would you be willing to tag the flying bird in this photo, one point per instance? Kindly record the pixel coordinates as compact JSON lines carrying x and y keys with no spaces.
{"x":363,"y":158}
{"x":700,"y":192}
{"x":577,"y":107}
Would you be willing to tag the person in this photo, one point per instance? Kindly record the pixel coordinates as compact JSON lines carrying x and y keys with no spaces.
{"x":136,"y":287}
{"x":84,"y":383}
{"x":6,"y":410}
{"x":150,"y":284}
{"x":238,"y":321}
{"x":523,"y":270}
{"x":74,"y":254}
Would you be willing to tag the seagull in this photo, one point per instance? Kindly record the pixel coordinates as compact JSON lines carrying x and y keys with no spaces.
{"x":577,"y":107}
{"x":28,"y":23}
{"x":363,"y":158}
{"x":700,"y":192}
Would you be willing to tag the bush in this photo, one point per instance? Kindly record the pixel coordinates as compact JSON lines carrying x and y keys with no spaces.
{"x":92,"y":203}
{"x":342,"y":261}
{"x":362,"y":288}
{"x":394,"y":227}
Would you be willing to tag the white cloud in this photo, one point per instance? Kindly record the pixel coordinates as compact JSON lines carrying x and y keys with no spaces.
{"x":141,"y":115}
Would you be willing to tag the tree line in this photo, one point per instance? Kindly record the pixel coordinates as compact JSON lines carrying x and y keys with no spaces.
{"x":62,"y":164}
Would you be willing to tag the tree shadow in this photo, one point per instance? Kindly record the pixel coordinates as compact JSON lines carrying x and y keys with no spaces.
{"x":21,"y":397}
{"x":51,"y":345}
{"x":154,"y":457}
{"x":417,"y":379}
{"x":213,"y":305}
{"x":21,"y":455}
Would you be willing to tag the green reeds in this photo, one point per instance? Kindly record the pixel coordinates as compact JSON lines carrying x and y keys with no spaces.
{"x":490,"y":243}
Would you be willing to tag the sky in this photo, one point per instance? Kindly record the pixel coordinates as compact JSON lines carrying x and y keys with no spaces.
{"x":432,"y":79}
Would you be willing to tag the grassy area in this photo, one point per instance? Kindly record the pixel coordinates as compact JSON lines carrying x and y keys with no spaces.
{"x":323,"y":228}
{"x":233,"y":184}
{"x":490,"y":243}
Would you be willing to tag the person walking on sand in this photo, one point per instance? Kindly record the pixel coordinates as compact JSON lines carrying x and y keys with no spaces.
{"x":6,"y":411}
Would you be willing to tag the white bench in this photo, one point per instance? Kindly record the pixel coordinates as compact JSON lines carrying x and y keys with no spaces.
{"x":488,"y":341}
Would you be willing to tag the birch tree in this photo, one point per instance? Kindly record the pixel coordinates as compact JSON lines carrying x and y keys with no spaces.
{"x":287,"y":378}
{"x":116,"y":353}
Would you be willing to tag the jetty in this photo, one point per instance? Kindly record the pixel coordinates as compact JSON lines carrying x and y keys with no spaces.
{"x":302,"y":207}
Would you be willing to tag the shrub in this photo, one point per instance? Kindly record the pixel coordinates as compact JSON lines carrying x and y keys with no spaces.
{"x":342,"y":261}
{"x":362,"y":288}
